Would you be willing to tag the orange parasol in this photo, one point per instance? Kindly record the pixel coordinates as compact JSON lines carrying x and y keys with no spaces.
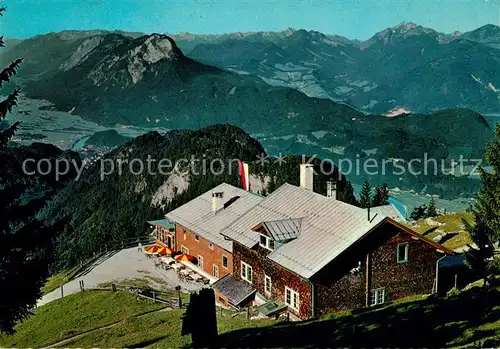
{"x":185,"y":258}
{"x":152,"y":249}
{"x":165,"y":250}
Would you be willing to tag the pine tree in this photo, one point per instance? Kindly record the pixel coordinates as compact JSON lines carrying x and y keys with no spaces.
{"x":485,"y":230}
{"x":419,"y":212}
{"x":431,"y":209}
{"x":24,"y":241}
{"x":381,"y":196}
{"x":346,"y":192}
{"x":271,"y":186}
{"x":365,"y":200}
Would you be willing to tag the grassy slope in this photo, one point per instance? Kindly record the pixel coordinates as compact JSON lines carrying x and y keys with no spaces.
{"x":452,"y":224}
{"x":414,"y":322}
{"x":160,"y":330}
{"x":54,"y":282}
{"x":75,"y":314}
{"x":83,"y":312}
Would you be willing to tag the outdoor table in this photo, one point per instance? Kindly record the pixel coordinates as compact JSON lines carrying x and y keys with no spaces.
{"x":177,"y":266}
{"x":196,"y":277}
{"x":185,"y":272}
{"x":167,"y":260}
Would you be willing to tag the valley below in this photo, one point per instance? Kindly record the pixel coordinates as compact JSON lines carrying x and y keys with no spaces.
{"x":62,"y":129}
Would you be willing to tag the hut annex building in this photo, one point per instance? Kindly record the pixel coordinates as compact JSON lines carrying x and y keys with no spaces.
{"x":299,"y":251}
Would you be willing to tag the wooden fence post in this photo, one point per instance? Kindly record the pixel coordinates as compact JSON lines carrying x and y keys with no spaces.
{"x":154,"y":297}
{"x":179,"y":298}
{"x":248,"y":313}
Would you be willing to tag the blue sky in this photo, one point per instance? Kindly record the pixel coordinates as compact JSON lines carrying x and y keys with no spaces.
{"x":353,"y":19}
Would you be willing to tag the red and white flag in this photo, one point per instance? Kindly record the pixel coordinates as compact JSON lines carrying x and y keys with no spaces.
{"x":244,"y":174}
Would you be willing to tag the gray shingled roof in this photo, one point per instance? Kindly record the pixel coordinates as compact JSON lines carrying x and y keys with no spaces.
{"x":285,"y":229}
{"x":234,"y":290}
{"x":197,"y":215}
{"x":330,"y":228}
{"x":389,"y":211}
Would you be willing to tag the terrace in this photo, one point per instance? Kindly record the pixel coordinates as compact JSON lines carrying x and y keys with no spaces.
{"x":184,"y":265}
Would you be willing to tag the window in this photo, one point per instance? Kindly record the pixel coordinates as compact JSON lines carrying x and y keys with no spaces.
{"x":184,"y":249}
{"x":267,"y":284}
{"x":211,"y":246}
{"x":216,"y":271}
{"x":185,"y":236}
{"x":403,"y":253}
{"x":377,"y":296}
{"x":292,"y":298}
{"x":246,"y":272}
{"x":224,"y":261}
{"x":200,"y":261}
{"x":197,"y":237}
{"x":266,"y":242}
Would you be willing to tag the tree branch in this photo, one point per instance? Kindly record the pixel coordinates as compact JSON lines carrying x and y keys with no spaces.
{"x":10,"y":71}
{"x":7,"y":104}
{"x":6,"y":135}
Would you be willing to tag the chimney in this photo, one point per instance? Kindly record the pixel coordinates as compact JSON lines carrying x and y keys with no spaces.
{"x":306,"y":176}
{"x":217,"y":201}
{"x":331,"y":190}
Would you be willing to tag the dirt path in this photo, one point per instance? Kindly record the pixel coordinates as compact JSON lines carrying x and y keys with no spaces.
{"x":83,"y":334}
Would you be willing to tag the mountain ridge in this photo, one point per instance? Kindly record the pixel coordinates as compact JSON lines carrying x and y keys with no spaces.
{"x":287,"y":31}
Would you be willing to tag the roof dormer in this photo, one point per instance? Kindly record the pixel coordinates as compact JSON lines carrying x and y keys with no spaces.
{"x":278,"y":232}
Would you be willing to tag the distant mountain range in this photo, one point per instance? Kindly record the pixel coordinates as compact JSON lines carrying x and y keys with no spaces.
{"x":127,"y":78}
{"x":404,"y":68}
